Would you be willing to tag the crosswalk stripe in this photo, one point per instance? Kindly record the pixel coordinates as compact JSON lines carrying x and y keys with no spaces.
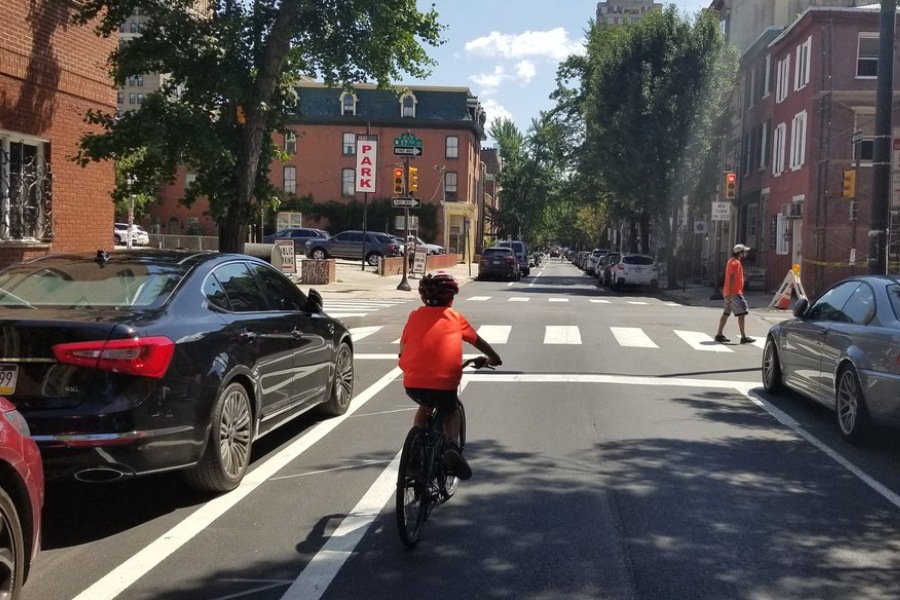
{"x":558,"y":299}
{"x":637,"y":302}
{"x":702,"y":341}
{"x":495,"y":334}
{"x":519,"y":299}
{"x":562,"y":334}
{"x":358,"y":333}
{"x":344,"y":315}
{"x":633,"y":337}
{"x":478,"y":298}
{"x":600,"y":301}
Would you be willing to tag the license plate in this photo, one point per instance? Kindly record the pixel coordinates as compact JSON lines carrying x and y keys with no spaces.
{"x":8,"y":375}
{"x":496,"y":262}
{"x":639,"y":269}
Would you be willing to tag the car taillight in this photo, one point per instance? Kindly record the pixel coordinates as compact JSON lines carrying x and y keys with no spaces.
{"x":147,"y":357}
{"x":620,"y":267}
{"x":510,"y":260}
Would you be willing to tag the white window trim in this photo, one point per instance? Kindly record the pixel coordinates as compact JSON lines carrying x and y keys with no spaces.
{"x":798,"y":141}
{"x":860,"y":37}
{"x":778,"y":149}
{"x":763,"y":143}
{"x":290,"y":179}
{"x":415,"y":102}
{"x":783,"y":79}
{"x":767,"y":85}
{"x":801,"y":68}
{"x":352,"y":110}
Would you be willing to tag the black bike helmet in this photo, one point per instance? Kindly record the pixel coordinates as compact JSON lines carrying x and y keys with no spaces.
{"x":438,"y":288}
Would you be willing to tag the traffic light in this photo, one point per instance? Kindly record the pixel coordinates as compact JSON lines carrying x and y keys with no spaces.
{"x":399,"y":183}
{"x":730,"y":185}
{"x":848,"y":189}
{"x":413,"y":180}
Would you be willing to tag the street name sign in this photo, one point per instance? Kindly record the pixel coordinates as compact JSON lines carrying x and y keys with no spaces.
{"x":404,"y":202}
{"x":407,"y":145}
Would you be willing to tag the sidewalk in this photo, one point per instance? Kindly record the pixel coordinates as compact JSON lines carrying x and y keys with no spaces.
{"x":354,"y":282}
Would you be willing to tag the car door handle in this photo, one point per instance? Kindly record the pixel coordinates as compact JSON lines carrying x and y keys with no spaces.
{"x":248,"y":336}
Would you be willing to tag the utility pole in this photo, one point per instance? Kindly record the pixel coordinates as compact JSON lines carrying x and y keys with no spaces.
{"x":881,"y":166}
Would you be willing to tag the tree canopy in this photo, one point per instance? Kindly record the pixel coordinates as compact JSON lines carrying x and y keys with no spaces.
{"x":229,"y":67}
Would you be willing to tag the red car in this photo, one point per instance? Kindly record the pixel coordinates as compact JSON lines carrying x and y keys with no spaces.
{"x":21,"y":497}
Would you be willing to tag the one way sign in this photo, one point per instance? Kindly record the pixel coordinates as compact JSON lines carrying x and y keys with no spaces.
{"x":405,"y":202}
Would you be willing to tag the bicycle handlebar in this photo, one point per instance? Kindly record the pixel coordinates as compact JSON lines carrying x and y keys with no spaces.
{"x":479,"y":362}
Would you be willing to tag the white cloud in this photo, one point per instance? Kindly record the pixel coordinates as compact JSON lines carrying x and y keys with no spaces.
{"x":490,"y":81}
{"x":494,"y":110}
{"x":525,"y":71}
{"x":554,"y":44}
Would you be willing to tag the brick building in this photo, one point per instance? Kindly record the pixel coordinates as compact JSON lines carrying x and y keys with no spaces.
{"x":322,"y":148}
{"x":806,"y":89}
{"x":51,"y":73}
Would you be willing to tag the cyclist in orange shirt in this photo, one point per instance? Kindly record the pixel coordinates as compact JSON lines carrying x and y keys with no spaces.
{"x":733,"y":291}
{"x":431,"y":356}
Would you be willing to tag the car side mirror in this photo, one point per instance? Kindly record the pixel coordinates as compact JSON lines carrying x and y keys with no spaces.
{"x":800,"y":308}
{"x":314,"y":301}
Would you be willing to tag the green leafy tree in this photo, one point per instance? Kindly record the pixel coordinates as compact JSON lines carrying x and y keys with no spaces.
{"x":229,"y":67}
{"x":656,"y":93}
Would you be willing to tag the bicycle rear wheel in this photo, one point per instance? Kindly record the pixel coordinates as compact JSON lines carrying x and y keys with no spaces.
{"x":412,"y":487}
{"x":449,"y":483}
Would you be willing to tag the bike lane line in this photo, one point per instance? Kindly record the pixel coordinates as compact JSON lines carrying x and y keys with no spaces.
{"x":122,"y":577}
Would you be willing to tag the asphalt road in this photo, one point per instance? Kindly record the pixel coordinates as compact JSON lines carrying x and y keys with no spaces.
{"x":618,"y":453}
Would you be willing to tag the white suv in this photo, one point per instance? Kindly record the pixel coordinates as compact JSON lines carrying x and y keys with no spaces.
{"x":635,"y":269}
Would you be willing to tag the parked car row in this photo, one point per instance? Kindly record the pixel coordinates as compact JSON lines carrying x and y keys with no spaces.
{"x":617,"y":270}
{"x":139,"y":235}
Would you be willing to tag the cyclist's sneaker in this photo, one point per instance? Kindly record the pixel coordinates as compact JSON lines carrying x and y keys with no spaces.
{"x":455,"y":464}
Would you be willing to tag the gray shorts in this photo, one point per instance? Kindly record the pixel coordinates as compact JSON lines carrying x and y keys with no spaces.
{"x":737,"y":305}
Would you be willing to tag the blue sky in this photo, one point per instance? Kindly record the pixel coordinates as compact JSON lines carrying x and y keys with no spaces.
{"x":507,"y":51}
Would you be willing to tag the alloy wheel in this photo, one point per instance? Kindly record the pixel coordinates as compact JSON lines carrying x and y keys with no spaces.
{"x":235,"y":433}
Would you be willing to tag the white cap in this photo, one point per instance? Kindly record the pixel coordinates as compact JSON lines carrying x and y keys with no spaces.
{"x":741,"y":248}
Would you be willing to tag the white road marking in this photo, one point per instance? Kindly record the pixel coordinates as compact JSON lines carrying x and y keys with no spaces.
{"x":478,"y":298}
{"x":702,"y":341}
{"x":519,"y":299}
{"x":344,"y":315}
{"x":376,"y":356}
{"x":600,"y":301}
{"x":637,"y":302}
{"x":558,"y":299}
{"x":119,"y":579}
{"x":495,"y":334}
{"x":538,"y":274}
{"x":324,"y":566}
{"x":633,"y":337}
{"x":562,"y":334}
{"x":358,"y":333}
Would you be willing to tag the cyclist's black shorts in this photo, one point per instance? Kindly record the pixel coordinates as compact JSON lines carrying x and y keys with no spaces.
{"x":446,"y":400}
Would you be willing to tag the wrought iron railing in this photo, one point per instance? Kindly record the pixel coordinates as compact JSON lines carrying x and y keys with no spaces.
{"x":26,"y":193}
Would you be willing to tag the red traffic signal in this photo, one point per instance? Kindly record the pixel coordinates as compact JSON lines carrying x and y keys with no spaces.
{"x":730,"y":185}
{"x":399,"y":183}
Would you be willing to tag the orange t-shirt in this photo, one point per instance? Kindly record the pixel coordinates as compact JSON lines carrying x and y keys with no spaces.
{"x":432,"y":352}
{"x":734,"y":278}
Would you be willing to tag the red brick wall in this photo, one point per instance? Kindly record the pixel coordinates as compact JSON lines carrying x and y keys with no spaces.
{"x":51,"y":73}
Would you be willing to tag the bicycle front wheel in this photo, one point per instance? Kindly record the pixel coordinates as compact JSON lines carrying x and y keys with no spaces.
{"x":412,"y":487}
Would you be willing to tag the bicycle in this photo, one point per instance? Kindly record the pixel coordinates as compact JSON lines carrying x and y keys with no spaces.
{"x":423,"y":481}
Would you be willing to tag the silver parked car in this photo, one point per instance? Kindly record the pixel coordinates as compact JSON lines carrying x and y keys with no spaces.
{"x":843,"y":350}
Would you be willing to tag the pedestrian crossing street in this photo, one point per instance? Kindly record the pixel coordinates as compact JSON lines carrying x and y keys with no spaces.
{"x":341,"y":308}
{"x":625,"y":337}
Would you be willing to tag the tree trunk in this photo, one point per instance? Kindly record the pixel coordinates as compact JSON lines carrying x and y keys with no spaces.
{"x":233,"y":232}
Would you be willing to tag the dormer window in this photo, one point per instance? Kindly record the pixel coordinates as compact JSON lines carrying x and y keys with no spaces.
{"x":408,"y":105}
{"x":348,"y":104}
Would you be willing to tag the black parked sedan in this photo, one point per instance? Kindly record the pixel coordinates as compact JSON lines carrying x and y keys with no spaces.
{"x":138,"y":362}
